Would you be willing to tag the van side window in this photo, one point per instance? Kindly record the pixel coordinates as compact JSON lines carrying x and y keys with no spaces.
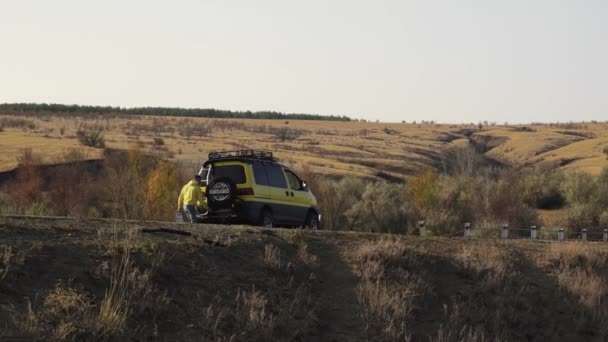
{"x":259,"y":173}
{"x":293,"y":180}
{"x":276,"y":177}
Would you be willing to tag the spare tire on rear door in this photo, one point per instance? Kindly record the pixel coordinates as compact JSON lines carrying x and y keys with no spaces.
{"x":221,"y":193}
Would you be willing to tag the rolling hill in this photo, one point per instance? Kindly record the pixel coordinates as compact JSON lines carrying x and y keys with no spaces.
{"x":386,"y":150}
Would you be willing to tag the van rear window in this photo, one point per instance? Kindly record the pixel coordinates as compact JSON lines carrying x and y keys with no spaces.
{"x":235,"y":172}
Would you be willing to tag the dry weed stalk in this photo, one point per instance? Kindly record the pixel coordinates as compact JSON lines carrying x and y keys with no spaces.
{"x":454,"y":328}
{"x":251,"y":309}
{"x":305,"y":255}
{"x":30,"y":325}
{"x":272,"y":256}
{"x":127,"y":283}
{"x":7,"y":254}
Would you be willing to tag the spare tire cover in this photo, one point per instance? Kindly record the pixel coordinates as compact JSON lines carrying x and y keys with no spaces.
{"x":221,"y":192}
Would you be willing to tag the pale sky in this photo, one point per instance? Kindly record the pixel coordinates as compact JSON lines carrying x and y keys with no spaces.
{"x":448,"y":61}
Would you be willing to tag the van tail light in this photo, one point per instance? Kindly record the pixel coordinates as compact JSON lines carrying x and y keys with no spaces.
{"x":245,"y":192}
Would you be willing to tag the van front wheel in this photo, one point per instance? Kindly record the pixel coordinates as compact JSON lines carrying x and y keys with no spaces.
{"x":312,"y":221}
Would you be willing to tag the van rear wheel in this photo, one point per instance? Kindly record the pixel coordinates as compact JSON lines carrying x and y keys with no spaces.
{"x":266,"y":219}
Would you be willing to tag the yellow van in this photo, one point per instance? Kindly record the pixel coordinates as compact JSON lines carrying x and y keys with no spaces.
{"x":252,"y":187}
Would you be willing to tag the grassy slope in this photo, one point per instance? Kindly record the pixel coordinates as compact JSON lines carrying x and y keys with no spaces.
{"x":253,"y":284}
{"x":334,"y":148}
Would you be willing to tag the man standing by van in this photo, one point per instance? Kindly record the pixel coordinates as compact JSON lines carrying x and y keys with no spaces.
{"x":191,"y":196}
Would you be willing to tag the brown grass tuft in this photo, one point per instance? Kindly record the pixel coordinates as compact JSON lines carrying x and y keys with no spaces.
{"x":127,"y":284}
{"x":581,"y":270}
{"x":387,"y":302}
{"x":252,"y":311}
{"x":272,"y":256}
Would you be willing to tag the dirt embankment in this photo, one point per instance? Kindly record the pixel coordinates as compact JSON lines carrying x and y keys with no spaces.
{"x":102,"y":279}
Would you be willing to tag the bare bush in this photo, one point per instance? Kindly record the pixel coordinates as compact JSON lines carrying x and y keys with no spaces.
{"x":8,"y":122}
{"x":189,"y":128}
{"x":91,"y":136}
{"x":28,"y":182}
{"x":128,"y":175}
{"x":286,"y":133}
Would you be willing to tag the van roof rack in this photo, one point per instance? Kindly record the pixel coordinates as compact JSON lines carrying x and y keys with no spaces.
{"x":248,"y":154}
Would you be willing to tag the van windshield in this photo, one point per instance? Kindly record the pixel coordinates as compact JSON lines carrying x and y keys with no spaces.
{"x":236,"y":173}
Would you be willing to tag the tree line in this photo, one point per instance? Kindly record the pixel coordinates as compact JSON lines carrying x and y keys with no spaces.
{"x":17,"y":108}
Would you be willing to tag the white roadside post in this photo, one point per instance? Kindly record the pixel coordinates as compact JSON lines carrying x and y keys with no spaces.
{"x":505,"y":231}
{"x":605,"y":235}
{"x":421,"y":228}
{"x":584,"y":234}
{"x":560,"y":234}
{"x":533,"y":235}
{"x":467,"y":230}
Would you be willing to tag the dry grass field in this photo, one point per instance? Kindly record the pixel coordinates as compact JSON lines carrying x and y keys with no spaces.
{"x":116,"y":280}
{"x":332,"y":148}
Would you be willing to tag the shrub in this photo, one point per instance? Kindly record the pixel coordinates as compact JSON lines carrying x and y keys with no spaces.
{"x":125,"y":186}
{"x":463,"y":161}
{"x":423,"y":190}
{"x":161,"y":192}
{"x":581,"y":215}
{"x":578,"y":187}
{"x":507,"y":204}
{"x":542,"y":189}
{"x":7,"y":204}
{"x":383,"y":207}
{"x":285,"y":133}
{"x":28,"y":182}
{"x":605,"y":150}
{"x":158,"y":142}
{"x":17,"y":123}
{"x":336,"y":198}
{"x":92,"y":137}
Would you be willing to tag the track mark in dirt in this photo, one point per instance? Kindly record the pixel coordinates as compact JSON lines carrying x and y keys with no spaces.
{"x":339,"y":310}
